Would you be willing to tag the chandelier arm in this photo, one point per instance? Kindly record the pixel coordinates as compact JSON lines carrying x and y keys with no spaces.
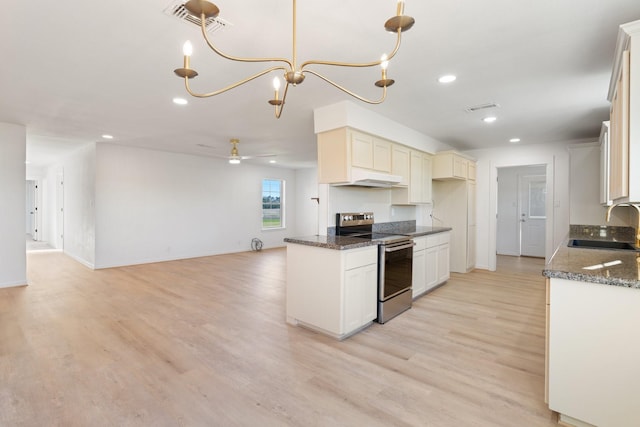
{"x":236,"y":58}
{"x":234,"y":85}
{"x":279,"y":108}
{"x":356,"y":64}
{"x":347,"y":91}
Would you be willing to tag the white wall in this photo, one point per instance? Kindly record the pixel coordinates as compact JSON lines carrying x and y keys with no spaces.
{"x":584,"y":181}
{"x":306,"y":209}
{"x":79,"y":203}
{"x":13,"y":260}
{"x":156,"y":206}
{"x":364,"y":199}
{"x":556,"y":158}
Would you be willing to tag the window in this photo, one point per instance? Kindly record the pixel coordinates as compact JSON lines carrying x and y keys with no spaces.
{"x":537,"y":196}
{"x":272,"y":203}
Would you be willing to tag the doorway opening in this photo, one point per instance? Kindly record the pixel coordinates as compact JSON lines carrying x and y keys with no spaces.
{"x":521,"y":218}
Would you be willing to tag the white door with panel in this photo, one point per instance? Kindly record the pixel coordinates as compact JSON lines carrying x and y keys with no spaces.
{"x":532,"y":195}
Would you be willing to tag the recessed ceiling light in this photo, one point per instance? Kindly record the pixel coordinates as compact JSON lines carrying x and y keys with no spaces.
{"x":514,"y":140}
{"x":180,"y":101}
{"x":105,"y":136}
{"x":272,"y":161}
{"x":447,"y":78}
{"x":490,"y":119}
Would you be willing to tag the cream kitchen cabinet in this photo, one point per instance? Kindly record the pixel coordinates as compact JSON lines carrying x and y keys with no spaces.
{"x":400,"y":163}
{"x":419,"y":189}
{"x":419,"y":279}
{"x":454,"y":205}
{"x":430,"y":262}
{"x":344,"y":150}
{"x":369,"y":152}
{"x":452,"y":165}
{"x":442,"y":261}
{"x":547,"y":325}
{"x":593,"y":351}
{"x":438,"y":256}
{"x":604,"y":165}
{"x":471,"y":225}
{"x":471,"y":170}
{"x":331,"y":291}
{"x":624,"y":129}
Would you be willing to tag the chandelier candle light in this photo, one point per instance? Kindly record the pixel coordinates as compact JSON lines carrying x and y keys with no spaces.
{"x":293,"y":75}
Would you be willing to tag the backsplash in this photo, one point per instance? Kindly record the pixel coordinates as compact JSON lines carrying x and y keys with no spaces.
{"x":602,"y":232}
{"x":382,"y":227}
{"x":394,"y":225}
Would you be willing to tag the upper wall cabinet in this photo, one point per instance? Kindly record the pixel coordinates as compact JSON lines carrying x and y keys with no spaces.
{"x":400,"y":162}
{"x":369,"y":152}
{"x":624,"y":128}
{"x":341,"y":151}
{"x":604,"y":165}
{"x":419,"y":189}
{"x":471,"y":170}
{"x":451,"y":165}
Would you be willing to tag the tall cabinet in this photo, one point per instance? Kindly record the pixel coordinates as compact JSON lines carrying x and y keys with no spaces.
{"x":454,"y":205}
{"x":624,"y":128}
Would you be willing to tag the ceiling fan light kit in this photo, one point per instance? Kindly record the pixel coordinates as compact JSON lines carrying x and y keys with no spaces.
{"x":235,"y":158}
{"x":292,"y":73}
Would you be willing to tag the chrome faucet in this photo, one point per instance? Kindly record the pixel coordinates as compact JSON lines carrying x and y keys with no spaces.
{"x":608,"y":217}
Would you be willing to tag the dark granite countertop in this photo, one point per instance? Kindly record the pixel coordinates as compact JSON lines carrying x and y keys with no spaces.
{"x":604,"y":266}
{"x":417,"y":231}
{"x":331,"y":241}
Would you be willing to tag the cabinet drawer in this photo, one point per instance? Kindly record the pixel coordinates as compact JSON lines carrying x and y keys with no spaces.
{"x":358,"y":257}
{"x":437,"y":239}
{"x":421,"y":243}
{"x":443,"y":238}
{"x":432,"y":240}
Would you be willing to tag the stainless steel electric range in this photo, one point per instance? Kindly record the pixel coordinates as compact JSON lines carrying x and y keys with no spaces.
{"x":395,"y":262}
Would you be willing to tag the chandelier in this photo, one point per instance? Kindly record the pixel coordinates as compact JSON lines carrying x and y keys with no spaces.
{"x":293,"y":74}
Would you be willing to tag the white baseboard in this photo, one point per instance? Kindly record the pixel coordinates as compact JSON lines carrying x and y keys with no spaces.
{"x":13,"y":284}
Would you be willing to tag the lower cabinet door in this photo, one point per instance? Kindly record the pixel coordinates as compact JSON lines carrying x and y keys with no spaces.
{"x":431,"y":263}
{"x":360,"y":297}
{"x":443,"y":263}
{"x":418,"y":280}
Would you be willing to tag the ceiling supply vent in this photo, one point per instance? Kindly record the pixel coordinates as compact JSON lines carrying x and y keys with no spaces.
{"x":177,"y":10}
{"x":481,"y":107}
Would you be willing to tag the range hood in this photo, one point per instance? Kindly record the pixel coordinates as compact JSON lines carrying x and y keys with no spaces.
{"x":367,"y":178}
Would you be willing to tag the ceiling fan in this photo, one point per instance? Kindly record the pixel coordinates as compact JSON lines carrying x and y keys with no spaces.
{"x":235,"y":156}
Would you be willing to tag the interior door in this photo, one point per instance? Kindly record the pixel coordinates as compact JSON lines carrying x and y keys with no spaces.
{"x":59,"y":236}
{"x":532,"y":201}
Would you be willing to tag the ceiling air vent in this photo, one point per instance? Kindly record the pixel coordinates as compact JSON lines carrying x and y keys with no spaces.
{"x":177,"y":10}
{"x":481,"y":107}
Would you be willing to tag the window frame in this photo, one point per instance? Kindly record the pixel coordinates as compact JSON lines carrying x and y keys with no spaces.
{"x":282,"y":184}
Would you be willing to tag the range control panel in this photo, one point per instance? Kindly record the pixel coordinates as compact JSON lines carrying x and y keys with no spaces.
{"x":349,"y":219}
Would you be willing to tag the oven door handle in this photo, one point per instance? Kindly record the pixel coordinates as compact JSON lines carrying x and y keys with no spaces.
{"x":399,"y":247}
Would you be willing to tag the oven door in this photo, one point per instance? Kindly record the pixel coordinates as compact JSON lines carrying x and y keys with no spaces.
{"x":395,"y":269}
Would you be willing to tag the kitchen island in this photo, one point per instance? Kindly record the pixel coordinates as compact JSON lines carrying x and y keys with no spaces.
{"x":593,"y":348}
{"x":332,"y":281}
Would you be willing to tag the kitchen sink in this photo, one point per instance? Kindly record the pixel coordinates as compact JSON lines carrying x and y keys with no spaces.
{"x":600,"y":244}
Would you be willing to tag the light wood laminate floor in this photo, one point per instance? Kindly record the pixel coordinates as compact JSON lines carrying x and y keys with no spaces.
{"x":203,"y":342}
